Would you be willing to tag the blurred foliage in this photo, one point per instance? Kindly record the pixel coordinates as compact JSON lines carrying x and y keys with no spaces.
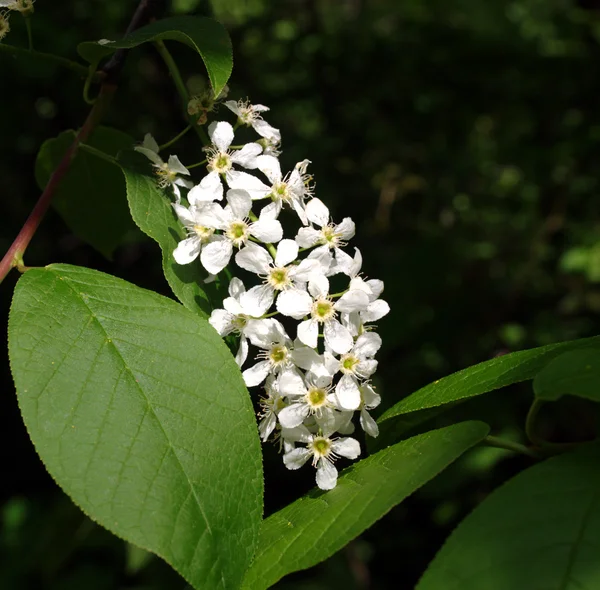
{"x":461,"y":136}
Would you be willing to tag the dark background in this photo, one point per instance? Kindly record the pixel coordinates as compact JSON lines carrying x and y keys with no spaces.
{"x":463,"y":137}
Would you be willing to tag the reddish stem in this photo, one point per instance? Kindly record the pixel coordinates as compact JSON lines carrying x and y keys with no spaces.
{"x":14,"y":256}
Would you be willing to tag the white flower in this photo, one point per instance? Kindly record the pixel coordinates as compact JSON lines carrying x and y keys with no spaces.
{"x":312,"y":396}
{"x":358,"y":363}
{"x":324,"y":451}
{"x":369,"y":400}
{"x":221,"y":160}
{"x":279,"y":274}
{"x":375,"y":310}
{"x":250,"y":115}
{"x":276,"y":355}
{"x":330,"y":237}
{"x":234,"y":222}
{"x":167,"y":172}
{"x":237,"y":319}
{"x":290,"y":190}
{"x":198,"y":235}
{"x":297,"y":303}
{"x":271,"y":405}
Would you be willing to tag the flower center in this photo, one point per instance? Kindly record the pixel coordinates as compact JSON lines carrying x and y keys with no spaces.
{"x":278,"y":355}
{"x":281,"y":192}
{"x":219,"y":162}
{"x":348,"y":363}
{"x":238,"y":232}
{"x":323,"y":310}
{"x":240,"y":322}
{"x":166,"y":176}
{"x":330,"y":238}
{"x":316,"y":397}
{"x":203,"y":232}
{"x":320,"y":447}
{"x":278,"y":278}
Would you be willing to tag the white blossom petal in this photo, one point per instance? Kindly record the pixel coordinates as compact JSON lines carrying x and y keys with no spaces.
{"x":242,"y":353}
{"x":287,"y":251}
{"x":270,"y":167}
{"x":246,"y":157}
{"x":337,"y":337}
{"x":294,"y":303}
{"x":236,"y":288}
{"x":368,"y":424}
{"x":326,"y":475}
{"x":209,"y":189}
{"x":296,"y":458}
{"x":375,"y":311}
{"x":240,"y":202}
{"x":291,"y":383}
{"x":352,"y":301}
{"x":267,"y":230}
{"x":221,"y":134}
{"x":346,"y":447}
{"x":308,"y":332}
{"x":176,"y":166}
{"x":346,"y":229}
{"x":232,"y":305}
{"x":367,"y":345}
{"x":307,"y":237}
{"x":317,"y":212}
{"x":293,"y":415}
{"x":265,"y":130}
{"x":376,"y":287}
{"x":216,"y":255}
{"x":347,"y":393}
{"x":221,"y":321}
{"x":237,"y":179}
{"x":254,"y":258}
{"x":257,"y":374}
{"x":258,"y":300}
{"x":149,"y":142}
{"x":187,"y":250}
{"x":318,"y":286}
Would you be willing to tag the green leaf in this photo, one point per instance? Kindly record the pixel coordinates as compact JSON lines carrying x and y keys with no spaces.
{"x":151,"y":210}
{"x":314,"y":527}
{"x":204,"y":35}
{"x":91,"y":197}
{"x":573,"y":373}
{"x":487,"y":376}
{"x":140,"y":414}
{"x":540,"y":530}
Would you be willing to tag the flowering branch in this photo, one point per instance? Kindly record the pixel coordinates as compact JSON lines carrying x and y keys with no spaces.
{"x":14,"y":255}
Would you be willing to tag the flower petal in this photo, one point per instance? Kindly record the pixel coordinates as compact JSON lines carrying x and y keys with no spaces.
{"x":265,"y":130}
{"x":242,"y":353}
{"x":187,"y":250}
{"x":246,"y":157}
{"x":317,"y":212}
{"x":367,"y":345}
{"x":221,"y":321}
{"x":347,"y":393}
{"x":236,"y":287}
{"x":375,"y":311}
{"x":308,"y":333}
{"x":352,"y":301}
{"x":291,"y":383}
{"x":296,"y":458}
{"x":346,"y":447}
{"x":287,"y":251}
{"x":307,"y":237}
{"x":216,"y":255}
{"x":256,"y":374}
{"x":326,"y":475}
{"x":346,"y":229}
{"x":293,"y":415}
{"x":240,"y":202}
{"x":368,"y":424}
{"x":209,"y":189}
{"x":294,"y":303}
{"x":318,"y":286}
{"x":254,"y":258}
{"x":270,"y":167}
{"x":267,"y":230}
{"x":221,"y":134}
{"x":258,"y":300}
{"x":337,"y":337}
{"x":242,"y":180}
{"x":176,"y":166}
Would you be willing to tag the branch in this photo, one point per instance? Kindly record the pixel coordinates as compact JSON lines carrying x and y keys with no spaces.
{"x":14,"y":256}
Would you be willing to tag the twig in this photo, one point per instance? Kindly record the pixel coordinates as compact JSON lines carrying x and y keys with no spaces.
{"x":14,"y":256}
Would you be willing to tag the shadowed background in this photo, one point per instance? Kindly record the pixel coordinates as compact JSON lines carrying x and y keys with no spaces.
{"x":462,"y":137}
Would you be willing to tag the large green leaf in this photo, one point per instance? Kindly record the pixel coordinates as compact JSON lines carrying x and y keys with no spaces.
{"x":151,"y":210}
{"x":487,"y":376}
{"x":91,"y":197}
{"x":541,"y":530}
{"x":319,"y":524}
{"x":573,"y":373}
{"x":139,"y":412}
{"x":204,"y":35}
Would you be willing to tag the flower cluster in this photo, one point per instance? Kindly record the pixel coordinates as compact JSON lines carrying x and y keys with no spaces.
{"x":313,"y":349}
